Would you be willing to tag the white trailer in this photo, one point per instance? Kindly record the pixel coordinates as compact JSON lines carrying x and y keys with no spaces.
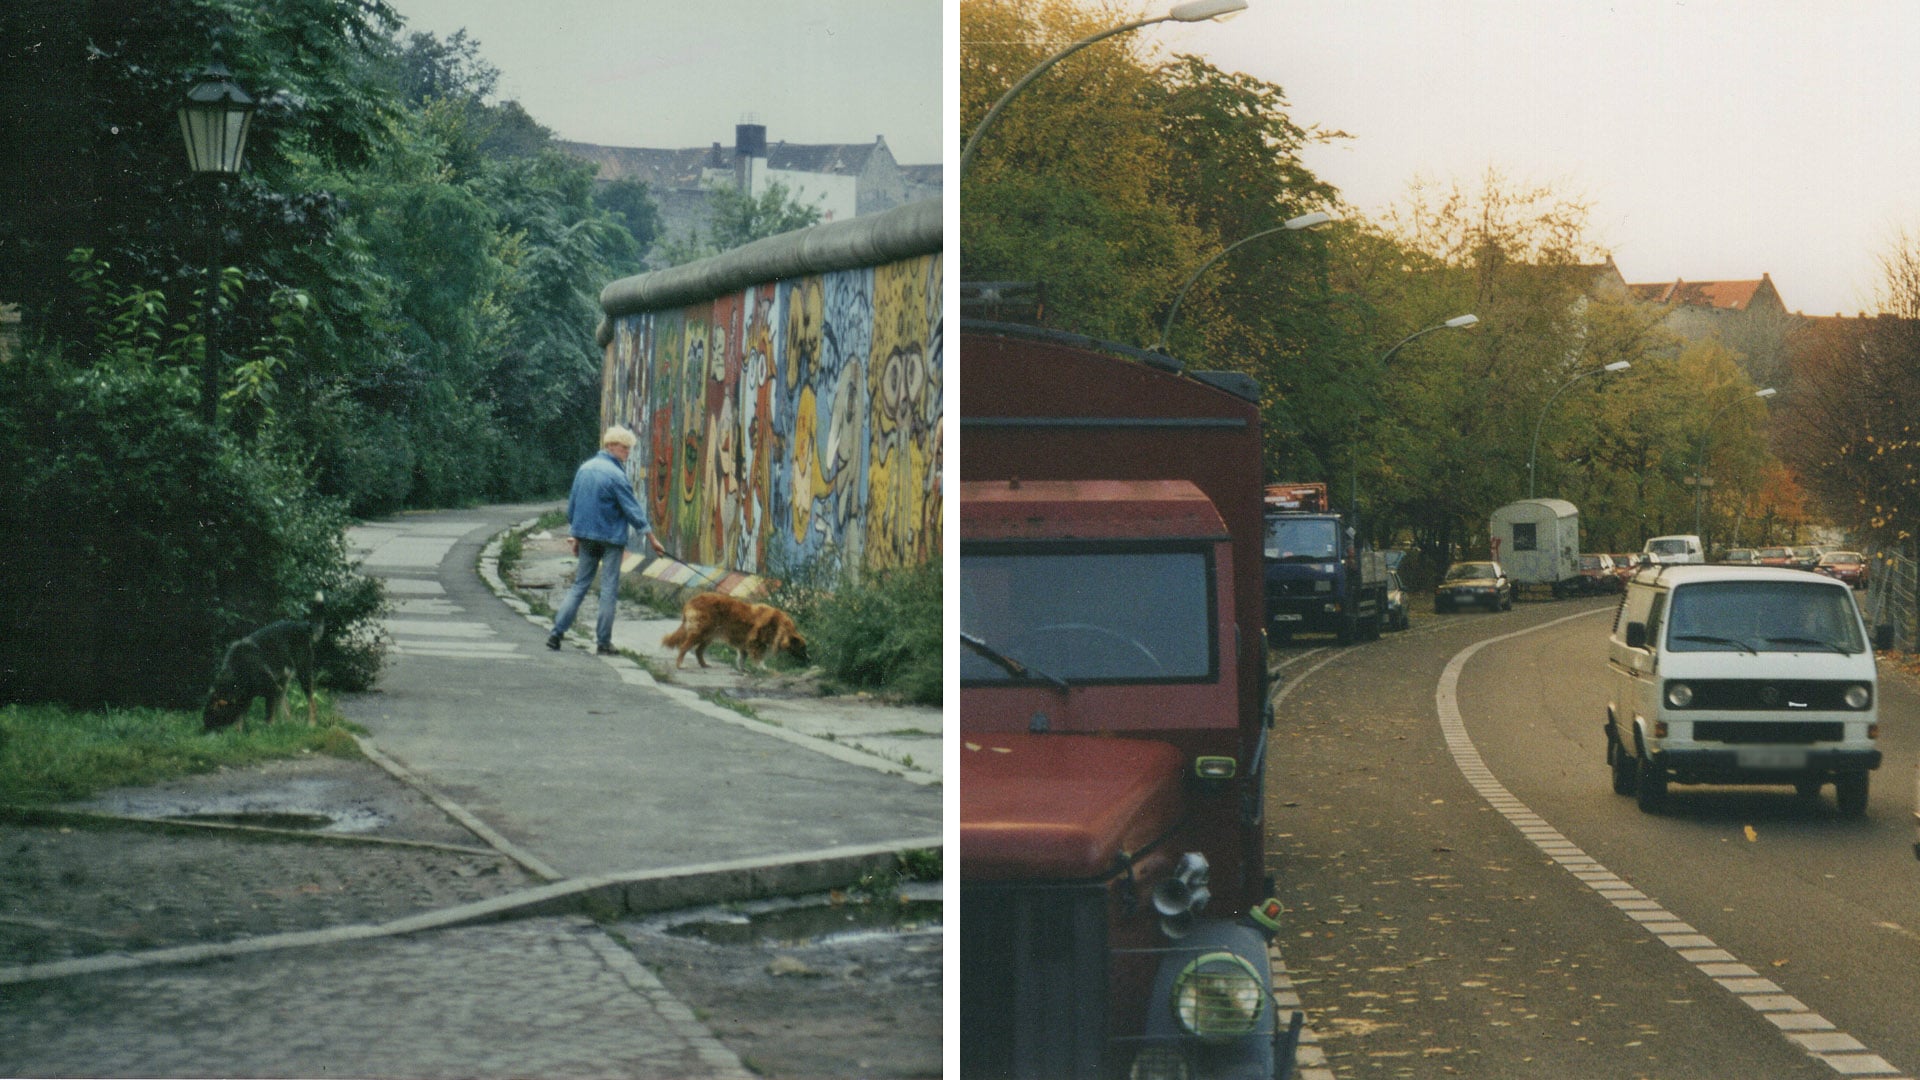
{"x":1537,"y":541}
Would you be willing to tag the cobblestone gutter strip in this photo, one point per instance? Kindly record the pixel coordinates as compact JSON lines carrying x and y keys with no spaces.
{"x":637,"y":893}
{"x":33,"y":815}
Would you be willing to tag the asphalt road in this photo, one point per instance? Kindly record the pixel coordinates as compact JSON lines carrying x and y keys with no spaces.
{"x":1485,"y":906}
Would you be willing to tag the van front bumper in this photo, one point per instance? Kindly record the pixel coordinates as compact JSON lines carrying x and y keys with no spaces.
{"x":1762,"y":764}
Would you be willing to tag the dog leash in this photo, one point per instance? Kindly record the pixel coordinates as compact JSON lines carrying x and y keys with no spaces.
{"x":722,"y":572}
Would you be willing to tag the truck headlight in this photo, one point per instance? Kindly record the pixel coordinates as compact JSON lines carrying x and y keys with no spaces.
{"x":1858,"y":696}
{"x":1679,"y":695}
{"x":1219,"y":996}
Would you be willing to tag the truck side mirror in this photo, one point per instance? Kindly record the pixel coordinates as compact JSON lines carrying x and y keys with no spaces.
{"x":1636,"y":635}
{"x":1883,"y":637}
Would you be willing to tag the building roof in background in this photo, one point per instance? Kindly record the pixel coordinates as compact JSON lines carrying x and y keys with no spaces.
{"x":1718,"y":295}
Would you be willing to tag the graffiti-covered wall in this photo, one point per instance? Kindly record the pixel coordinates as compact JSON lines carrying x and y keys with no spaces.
{"x":788,"y":407}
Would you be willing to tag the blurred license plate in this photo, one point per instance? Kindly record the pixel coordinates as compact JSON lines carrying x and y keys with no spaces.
{"x":1771,"y":757}
{"x":1287,"y":616}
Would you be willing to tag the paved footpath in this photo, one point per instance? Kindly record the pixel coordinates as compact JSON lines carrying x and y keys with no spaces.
{"x":579,"y":767}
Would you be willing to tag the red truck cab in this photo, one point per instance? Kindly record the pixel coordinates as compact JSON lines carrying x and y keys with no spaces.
{"x":1115,"y":911}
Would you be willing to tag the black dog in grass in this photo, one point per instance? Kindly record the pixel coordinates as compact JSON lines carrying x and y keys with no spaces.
{"x":264,"y":664}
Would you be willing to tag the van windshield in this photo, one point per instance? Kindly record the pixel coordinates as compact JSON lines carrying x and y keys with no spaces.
{"x":1302,"y":539}
{"x":1763,"y":616}
{"x":1667,"y":547}
{"x":1089,"y":616}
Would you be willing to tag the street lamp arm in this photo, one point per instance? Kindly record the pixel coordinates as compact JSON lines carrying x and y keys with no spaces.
{"x":973,"y":141}
{"x":1192,"y":11}
{"x":1455,"y":323}
{"x":1534,"y":450}
{"x":1304,"y":221}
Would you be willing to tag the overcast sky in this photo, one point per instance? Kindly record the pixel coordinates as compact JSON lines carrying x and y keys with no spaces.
{"x":675,"y":74}
{"x":1715,"y":139}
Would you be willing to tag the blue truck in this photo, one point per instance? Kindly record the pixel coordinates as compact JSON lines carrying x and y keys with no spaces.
{"x":1318,"y":577}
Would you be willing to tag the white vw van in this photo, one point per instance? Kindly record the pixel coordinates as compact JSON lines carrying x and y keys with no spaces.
{"x":1741,"y":675}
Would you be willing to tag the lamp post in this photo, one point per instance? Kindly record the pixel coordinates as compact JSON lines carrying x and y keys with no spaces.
{"x":1304,"y":221}
{"x":1458,"y":322}
{"x":1700,"y":457}
{"x":1617,"y":365}
{"x":1191,"y":11}
{"x":213,"y":122}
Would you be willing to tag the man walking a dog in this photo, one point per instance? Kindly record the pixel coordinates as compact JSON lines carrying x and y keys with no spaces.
{"x":599,"y":512}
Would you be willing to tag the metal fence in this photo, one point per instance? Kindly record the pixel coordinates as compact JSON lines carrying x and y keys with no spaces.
{"x":1893,"y":596}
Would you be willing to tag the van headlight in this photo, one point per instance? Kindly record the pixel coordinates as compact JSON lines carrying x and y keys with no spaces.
{"x":1858,"y":696}
{"x":1679,"y":695}
{"x":1219,"y":996}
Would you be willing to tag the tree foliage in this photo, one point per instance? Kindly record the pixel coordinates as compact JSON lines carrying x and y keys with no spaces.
{"x":740,"y":218}
{"x":403,"y":281}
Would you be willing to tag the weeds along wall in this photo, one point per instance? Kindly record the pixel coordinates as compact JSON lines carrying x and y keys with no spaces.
{"x":787,"y":396}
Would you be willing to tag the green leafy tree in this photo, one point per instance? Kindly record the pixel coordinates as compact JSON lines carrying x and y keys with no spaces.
{"x":739,"y":218}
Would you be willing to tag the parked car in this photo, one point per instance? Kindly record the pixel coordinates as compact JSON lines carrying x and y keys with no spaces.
{"x":1741,"y":557}
{"x":1474,"y":584}
{"x":1624,"y":564}
{"x":1806,"y":558}
{"x":1597,"y":575}
{"x":1775,"y":556}
{"x":1848,"y":566}
{"x":1396,"y":602}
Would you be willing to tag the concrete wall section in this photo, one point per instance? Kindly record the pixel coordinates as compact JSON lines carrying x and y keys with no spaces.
{"x":790,"y":416}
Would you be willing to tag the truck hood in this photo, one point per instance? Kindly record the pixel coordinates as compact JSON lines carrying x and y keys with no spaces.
{"x":1062,"y":807}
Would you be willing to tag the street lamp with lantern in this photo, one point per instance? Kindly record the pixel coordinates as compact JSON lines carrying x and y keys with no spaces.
{"x":1700,"y":456}
{"x":1617,"y":365}
{"x":1304,"y":221}
{"x":1191,"y":11}
{"x":214,"y":120}
{"x":1458,"y":322}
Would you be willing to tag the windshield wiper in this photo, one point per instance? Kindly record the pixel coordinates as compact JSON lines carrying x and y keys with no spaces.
{"x":1008,"y":664}
{"x":1808,"y":641}
{"x":1711,"y":640}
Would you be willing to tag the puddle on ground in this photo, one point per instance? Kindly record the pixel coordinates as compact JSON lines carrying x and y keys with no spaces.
{"x":262,"y":820}
{"x":821,"y":924}
{"x":816,"y":920}
{"x":303,"y":804}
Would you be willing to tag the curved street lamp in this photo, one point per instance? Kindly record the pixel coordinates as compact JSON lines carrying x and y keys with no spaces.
{"x":1458,"y":322}
{"x":1617,"y":365}
{"x":1191,"y":11}
{"x":1304,"y":221}
{"x":213,"y":122}
{"x":1700,"y":455}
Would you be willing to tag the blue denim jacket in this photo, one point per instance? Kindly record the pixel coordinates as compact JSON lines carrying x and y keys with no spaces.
{"x":602,"y":503}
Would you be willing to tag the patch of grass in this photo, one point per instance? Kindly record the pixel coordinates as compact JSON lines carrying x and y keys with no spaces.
{"x":881,"y":634}
{"x":512,"y":547}
{"x":50,"y":754}
{"x":920,"y":864}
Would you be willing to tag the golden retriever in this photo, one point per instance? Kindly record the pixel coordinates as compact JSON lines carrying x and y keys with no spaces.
{"x":754,"y":630}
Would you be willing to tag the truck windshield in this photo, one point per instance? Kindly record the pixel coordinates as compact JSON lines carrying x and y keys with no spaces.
{"x":1763,"y":616}
{"x":1099,"y":616}
{"x":1303,"y":539}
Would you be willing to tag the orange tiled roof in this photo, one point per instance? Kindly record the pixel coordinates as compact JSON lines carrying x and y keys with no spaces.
{"x":1719,"y":295}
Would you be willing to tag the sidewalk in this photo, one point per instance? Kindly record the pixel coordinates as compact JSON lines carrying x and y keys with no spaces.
{"x":622,"y":794}
{"x":899,"y":739}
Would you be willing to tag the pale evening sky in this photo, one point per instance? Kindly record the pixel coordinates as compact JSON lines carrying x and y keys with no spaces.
{"x":1714,"y":139}
{"x":665,"y":74}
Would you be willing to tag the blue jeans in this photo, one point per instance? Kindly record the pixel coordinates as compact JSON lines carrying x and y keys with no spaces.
{"x":604,"y":559}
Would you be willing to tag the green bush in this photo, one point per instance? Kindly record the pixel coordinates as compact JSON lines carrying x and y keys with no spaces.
{"x":882,"y":634}
{"x":141,"y":541}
